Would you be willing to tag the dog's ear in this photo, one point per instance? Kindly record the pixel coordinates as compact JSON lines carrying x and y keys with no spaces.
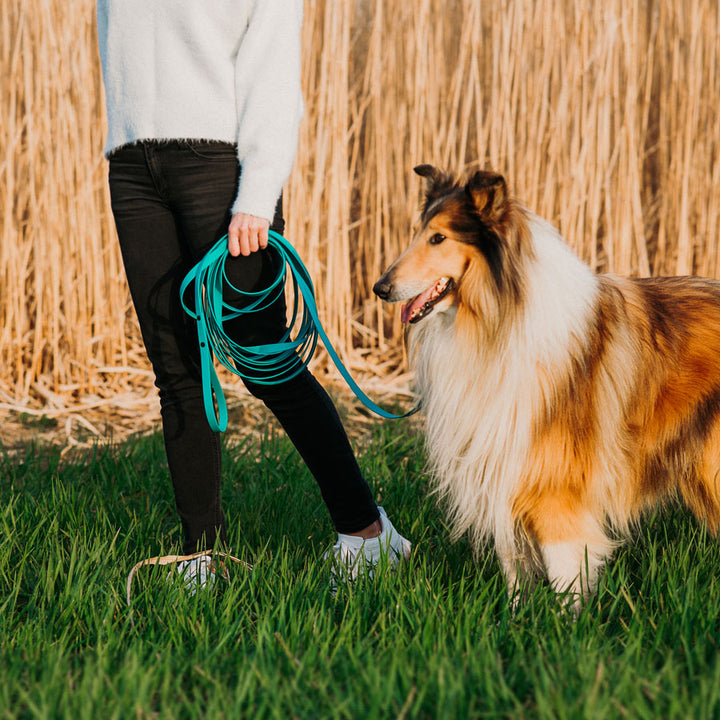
{"x":488,"y":193}
{"x":437,"y":183}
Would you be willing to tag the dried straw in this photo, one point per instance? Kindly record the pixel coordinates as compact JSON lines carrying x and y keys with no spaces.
{"x":603,"y":116}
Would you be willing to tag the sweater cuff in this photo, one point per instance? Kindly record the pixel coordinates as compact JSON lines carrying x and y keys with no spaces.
{"x":258,"y":193}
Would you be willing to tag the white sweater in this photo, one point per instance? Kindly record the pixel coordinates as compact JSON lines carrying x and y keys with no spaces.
{"x":207,"y":70}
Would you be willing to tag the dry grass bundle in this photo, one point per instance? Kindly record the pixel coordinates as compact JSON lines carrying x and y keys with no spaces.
{"x":603,"y":116}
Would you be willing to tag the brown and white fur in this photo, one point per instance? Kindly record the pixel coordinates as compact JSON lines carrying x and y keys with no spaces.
{"x":559,"y":404}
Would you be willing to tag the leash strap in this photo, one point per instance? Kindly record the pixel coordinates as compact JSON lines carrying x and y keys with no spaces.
{"x":268,"y":364}
{"x":173,"y":560}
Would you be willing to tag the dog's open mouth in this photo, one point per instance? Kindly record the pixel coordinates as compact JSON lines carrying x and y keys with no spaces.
{"x":423,"y":304}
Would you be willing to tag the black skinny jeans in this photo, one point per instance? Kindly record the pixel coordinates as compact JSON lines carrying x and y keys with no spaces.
{"x":171,"y":201}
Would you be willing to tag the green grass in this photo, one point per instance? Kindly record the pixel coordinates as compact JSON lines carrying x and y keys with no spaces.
{"x":435,"y":640}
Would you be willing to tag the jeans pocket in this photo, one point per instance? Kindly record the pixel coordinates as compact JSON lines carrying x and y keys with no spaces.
{"x":212,"y":150}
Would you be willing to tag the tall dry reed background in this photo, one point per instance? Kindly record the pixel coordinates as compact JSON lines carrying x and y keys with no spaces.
{"x":604,"y":117}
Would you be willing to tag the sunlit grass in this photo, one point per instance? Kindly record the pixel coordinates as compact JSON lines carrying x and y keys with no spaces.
{"x":435,"y":639}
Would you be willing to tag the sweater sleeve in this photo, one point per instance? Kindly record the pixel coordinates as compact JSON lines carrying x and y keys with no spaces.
{"x":269,"y":103}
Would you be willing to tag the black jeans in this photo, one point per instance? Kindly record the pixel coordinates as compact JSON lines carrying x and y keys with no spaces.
{"x":171,"y":202}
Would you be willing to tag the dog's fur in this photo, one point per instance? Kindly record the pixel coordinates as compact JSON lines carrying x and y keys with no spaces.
{"x":559,"y":404}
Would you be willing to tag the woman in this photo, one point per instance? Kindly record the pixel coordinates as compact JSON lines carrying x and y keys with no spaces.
{"x":203,"y":106}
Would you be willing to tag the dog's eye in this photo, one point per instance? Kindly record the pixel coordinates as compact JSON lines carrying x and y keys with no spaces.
{"x":436,"y":239}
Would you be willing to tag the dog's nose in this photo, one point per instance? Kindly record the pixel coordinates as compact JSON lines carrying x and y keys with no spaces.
{"x":382,"y":289}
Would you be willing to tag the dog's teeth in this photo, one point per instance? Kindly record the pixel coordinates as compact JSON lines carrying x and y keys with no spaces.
{"x":433,"y":294}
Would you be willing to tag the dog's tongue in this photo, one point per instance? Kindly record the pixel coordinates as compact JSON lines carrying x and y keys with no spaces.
{"x":409,"y":309}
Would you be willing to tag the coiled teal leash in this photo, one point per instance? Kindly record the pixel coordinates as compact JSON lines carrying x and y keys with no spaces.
{"x":268,"y":364}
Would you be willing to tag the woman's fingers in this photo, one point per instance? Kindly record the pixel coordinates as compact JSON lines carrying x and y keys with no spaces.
{"x":247,"y":234}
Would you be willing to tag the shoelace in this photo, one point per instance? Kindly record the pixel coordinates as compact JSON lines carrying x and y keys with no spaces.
{"x":268,"y":364}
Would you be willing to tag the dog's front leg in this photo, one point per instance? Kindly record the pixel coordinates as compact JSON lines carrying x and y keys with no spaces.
{"x":569,"y":573}
{"x":573,"y":566}
{"x":519,"y":578}
{"x":572,"y":546}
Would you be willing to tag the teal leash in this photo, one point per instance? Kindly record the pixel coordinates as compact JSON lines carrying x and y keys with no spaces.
{"x":268,"y":364}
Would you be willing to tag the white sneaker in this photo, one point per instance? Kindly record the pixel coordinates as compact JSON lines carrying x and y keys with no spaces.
{"x":196,"y":574}
{"x":353,"y":556}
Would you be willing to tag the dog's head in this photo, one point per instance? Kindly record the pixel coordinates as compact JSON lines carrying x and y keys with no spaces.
{"x":464,"y":245}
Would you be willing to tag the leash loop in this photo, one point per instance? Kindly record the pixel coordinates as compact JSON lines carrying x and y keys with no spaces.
{"x":268,"y":364}
{"x":173,"y":560}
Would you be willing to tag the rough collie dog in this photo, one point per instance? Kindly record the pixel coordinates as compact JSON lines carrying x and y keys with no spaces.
{"x":559,"y":404}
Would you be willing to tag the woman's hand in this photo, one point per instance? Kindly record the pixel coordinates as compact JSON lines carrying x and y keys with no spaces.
{"x":247,"y":234}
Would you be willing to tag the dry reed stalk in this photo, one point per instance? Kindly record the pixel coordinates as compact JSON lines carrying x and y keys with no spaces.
{"x":603,"y":116}
{"x":63,"y":301}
